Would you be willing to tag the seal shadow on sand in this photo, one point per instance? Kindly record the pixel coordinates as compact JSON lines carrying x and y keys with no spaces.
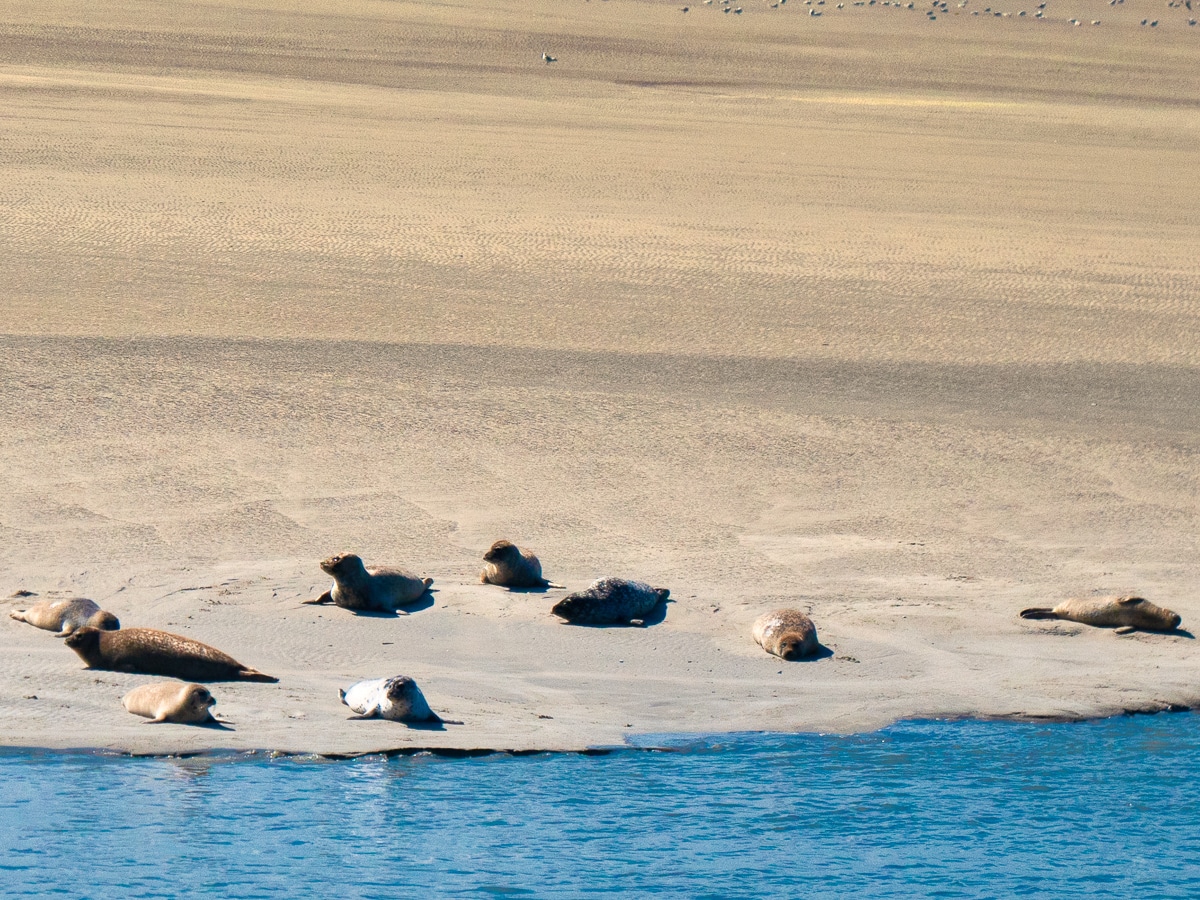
{"x":425,"y":601}
{"x":1178,"y":632}
{"x":214,"y":725}
{"x":419,"y":726}
{"x":822,"y":652}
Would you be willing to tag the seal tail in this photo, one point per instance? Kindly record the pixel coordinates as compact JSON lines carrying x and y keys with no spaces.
{"x":255,"y":675}
{"x":1038,"y":612}
{"x":663,"y":594}
{"x":552,"y":584}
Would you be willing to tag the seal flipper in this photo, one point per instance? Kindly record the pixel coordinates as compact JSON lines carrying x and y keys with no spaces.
{"x":428,"y":581}
{"x":255,"y":675}
{"x":326,"y":597}
{"x":1038,"y":612}
{"x":1125,"y":629}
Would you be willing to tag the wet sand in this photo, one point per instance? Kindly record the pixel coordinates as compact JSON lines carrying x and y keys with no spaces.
{"x":890,"y":319}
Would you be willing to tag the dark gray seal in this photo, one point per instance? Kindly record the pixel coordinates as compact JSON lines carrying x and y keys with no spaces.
{"x":786,"y":633}
{"x":610,"y":601}
{"x":1125,"y":614}
{"x":508,"y":565}
{"x":66,"y":615}
{"x":153,"y":652}
{"x":377,"y":589}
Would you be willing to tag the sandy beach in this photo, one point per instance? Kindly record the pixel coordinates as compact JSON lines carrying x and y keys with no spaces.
{"x":889,"y":316}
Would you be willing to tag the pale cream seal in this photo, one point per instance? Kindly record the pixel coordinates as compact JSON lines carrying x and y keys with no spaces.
{"x":168,"y":701}
{"x":65,"y":615}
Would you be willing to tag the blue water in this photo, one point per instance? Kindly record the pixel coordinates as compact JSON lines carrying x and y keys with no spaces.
{"x":933,"y":809}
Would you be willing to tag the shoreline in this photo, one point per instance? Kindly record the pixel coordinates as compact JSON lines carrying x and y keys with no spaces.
{"x":676,"y":745}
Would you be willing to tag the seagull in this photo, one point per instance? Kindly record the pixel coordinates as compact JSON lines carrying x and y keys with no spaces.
{"x":548,"y":58}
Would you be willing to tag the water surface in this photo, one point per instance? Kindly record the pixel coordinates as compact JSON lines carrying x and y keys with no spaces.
{"x":937,"y":809}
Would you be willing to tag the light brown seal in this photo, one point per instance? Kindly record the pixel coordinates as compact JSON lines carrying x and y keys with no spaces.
{"x":166,"y":701}
{"x":1125,"y":614}
{"x":66,"y":615}
{"x":153,"y":652}
{"x":610,"y":601}
{"x":786,"y":633}
{"x":508,"y":565}
{"x":377,"y":589}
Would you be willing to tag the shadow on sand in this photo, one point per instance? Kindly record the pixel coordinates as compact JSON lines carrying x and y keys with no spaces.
{"x":425,"y":601}
{"x":215,"y":725}
{"x":822,"y":652}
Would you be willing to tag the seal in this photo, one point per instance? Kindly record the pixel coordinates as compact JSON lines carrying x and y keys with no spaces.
{"x":377,"y":589}
{"x":610,"y":601}
{"x":153,"y":652}
{"x":509,"y":566}
{"x":166,"y":701}
{"x":65,"y":616}
{"x":397,"y":698}
{"x":1125,"y":614}
{"x":786,"y":633}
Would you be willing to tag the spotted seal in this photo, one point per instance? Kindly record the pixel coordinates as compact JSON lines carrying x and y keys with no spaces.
{"x":397,"y":698}
{"x":153,"y":652}
{"x":610,"y":601}
{"x":786,"y":633}
{"x":377,"y":589}
{"x":66,"y":615}
{"x":167,"y":701}
{"x":1125,"y":614}
{"x":508,"y":565}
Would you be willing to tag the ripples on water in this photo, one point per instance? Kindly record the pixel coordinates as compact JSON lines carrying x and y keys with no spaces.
{"x":935,"y":809}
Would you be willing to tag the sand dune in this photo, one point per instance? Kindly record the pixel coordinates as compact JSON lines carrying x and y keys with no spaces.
{"x":886,"y":318}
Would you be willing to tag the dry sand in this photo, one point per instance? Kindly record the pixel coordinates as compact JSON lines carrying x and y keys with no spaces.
{"x":890,"y":319}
